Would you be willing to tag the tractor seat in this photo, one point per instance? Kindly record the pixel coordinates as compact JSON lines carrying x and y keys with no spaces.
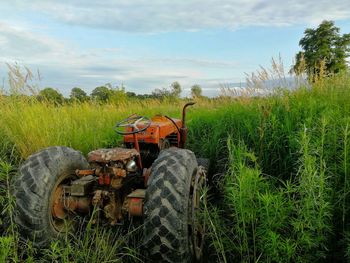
{"x":113,"y":154}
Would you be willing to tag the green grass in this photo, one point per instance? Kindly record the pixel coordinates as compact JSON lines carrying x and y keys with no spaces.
{"x":284,"y":194}
{"x":279,"y":171}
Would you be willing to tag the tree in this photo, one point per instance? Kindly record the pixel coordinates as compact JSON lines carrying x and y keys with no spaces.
{"x":51,"y":95}
{"x":101,"y":93}
{"x":161,"y":93}
{"x":176,"y":89}
{"x":118,"y":95}
{"x":130,"y":94}
{"x":196,"y":91}
{"x":78,"y":94}
{"x":323,"y":49}
{"x":172,"y":93}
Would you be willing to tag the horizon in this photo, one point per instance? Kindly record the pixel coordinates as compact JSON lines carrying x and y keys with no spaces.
{"x":144,"y":46}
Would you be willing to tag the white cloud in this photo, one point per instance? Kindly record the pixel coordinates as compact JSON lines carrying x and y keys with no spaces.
{"x":63,"y":65}
{"x":183,"y":15}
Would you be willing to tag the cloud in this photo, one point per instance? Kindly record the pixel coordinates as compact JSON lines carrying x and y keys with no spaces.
{"x":17,"y":43}
{"x":187,"y":15}
{"x":62,"y":65}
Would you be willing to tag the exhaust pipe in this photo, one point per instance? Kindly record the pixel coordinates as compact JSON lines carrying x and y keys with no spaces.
{"x":183,"y":129}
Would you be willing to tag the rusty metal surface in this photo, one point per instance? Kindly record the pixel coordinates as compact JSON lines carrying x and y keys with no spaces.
{"x":81,"y":204}
{"x":113,"y":154}
{"x":62,"y":204}
{"x":137,"y":148}
{"x":183,"y":129}
{"x":81,"y":186}
{"x":134,"y":202}
{"x":135,"y":206}
{"x":146,"y":174}
{"x":112,"y":210}
{"x":58,"y":210}
{"x":119,"y":172}
{"x":97,"y":199}
{"x":81,"y":173}
{"x":138,"y":193}
{"x":116,"y":182}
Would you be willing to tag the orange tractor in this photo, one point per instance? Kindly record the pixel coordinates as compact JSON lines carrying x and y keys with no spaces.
{"x":152,"y":178}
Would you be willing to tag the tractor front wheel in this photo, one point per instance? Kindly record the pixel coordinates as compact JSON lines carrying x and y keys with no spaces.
{"x":38,"y":192}
{"x":171,"y":230}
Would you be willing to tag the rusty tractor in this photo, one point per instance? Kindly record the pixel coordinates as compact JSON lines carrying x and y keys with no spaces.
{"x":152,"y":179}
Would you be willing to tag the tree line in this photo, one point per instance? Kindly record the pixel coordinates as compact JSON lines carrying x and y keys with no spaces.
{"x":107,"y":93}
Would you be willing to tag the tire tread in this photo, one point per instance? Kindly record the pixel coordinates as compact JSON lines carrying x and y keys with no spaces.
{"x":166,"y":206}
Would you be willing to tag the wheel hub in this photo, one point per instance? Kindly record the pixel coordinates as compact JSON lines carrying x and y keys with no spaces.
{"x":58,"y":210}
{"x":197,"y":226}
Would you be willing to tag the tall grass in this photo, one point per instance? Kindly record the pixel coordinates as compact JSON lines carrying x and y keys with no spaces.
{"x":281,"y":163}
{"x":31,"y":125}
{"x":285,"y":193}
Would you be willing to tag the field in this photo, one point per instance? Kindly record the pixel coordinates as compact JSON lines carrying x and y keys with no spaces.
{"x":279,"y":177}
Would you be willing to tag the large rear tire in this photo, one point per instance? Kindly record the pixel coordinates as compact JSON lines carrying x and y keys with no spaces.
{"x":38,"y":181}
{"x":168,"y":207}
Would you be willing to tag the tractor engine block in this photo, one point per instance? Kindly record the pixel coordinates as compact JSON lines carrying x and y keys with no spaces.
{"x":110,"y":184}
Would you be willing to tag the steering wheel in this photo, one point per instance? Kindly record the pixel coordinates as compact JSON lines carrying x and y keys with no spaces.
{"x":133,"y":121}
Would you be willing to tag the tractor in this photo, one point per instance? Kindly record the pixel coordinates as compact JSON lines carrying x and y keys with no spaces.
{"x":152,"y":179}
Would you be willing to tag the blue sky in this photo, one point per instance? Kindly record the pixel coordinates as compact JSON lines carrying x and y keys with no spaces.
{"x":149,"y":44}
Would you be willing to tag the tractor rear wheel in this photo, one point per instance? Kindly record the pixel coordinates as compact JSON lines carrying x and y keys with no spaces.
{"x":38,"y":190}
{"x":168,"y":224}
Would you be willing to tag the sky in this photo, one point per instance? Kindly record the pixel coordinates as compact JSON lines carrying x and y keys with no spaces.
{"x":144,"y":45}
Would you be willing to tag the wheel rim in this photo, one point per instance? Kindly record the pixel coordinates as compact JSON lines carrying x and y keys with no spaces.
{"x":60,"y":218}
{"x":197,"y":222}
